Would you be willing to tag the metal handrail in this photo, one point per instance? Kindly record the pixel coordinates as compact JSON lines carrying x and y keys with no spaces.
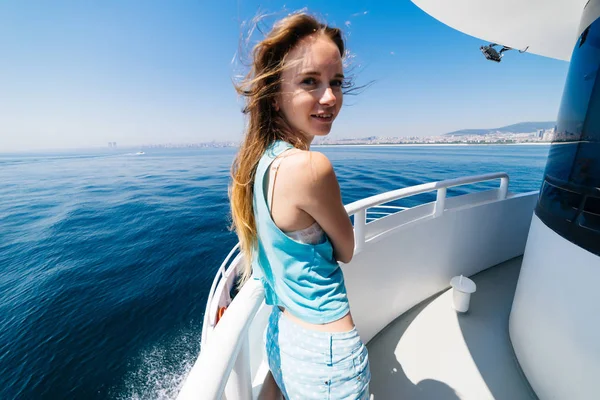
{"x":393,"y":207}
{"x":359,"y":208}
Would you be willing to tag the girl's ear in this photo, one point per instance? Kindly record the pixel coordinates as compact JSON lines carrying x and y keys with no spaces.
{"x":275,"y":105}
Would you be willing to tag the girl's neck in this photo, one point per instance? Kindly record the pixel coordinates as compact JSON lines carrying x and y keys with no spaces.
{"x":306,"y":140}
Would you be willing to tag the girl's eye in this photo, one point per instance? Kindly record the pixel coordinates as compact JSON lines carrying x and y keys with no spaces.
{"x":309,"y":81}
{"x":336,"y":83}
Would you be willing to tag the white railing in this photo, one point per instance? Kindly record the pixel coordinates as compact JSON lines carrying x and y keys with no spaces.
{"x":359,"y":208}
{"x":220,"y":274}
{"x":226,"y":356}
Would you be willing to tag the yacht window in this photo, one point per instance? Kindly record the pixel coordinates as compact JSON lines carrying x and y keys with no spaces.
{"x":569,"y":200}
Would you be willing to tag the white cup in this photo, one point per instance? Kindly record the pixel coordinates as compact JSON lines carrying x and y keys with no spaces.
{"x":462,"y":287}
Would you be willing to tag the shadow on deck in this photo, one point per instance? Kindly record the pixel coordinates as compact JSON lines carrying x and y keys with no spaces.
{"x":431,"y":352}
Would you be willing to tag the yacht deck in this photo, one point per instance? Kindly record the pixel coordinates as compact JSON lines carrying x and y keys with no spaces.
{"x":432,"y":352}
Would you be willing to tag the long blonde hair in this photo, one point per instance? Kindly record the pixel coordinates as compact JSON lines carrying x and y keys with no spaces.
{"x":265,"y":124}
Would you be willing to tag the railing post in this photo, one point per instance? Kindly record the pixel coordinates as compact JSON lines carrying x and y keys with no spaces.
{"x":440,"y":202}
{"x":239,"y":384}
{"x":503,"y":192}
{"x":360,"y":223}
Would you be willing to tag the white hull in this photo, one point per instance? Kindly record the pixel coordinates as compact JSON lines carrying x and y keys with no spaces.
{"x":555,"y":321}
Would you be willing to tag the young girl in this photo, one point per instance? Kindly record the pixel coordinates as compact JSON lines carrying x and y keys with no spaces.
{"x":289,"y":217}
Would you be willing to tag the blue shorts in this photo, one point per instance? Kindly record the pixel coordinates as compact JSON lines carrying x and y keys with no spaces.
{"x":308,"y":364}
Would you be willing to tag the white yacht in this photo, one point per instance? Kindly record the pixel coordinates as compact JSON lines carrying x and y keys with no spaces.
{"x":533,"y":326}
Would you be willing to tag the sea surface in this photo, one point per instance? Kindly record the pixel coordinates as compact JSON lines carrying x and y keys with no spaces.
{"x":106,"y":257}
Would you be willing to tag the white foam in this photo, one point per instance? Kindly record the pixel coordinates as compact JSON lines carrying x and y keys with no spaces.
{"x":162,"y":371}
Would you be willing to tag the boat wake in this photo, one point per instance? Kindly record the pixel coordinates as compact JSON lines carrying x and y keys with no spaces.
{"x":162,"y":370}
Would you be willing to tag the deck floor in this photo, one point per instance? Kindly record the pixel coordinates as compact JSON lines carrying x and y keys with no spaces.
{"x":432,"y":352}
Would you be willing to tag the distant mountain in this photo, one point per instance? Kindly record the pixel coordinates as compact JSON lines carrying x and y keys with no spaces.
{"x":523,"y":127}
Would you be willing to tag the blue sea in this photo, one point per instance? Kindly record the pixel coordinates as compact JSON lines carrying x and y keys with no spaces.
{"x":106,"y":257}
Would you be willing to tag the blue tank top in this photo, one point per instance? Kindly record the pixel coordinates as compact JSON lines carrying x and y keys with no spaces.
{"x":303,"y":278}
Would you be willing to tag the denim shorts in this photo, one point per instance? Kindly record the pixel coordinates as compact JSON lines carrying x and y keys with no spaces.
{"x":308,"y":364}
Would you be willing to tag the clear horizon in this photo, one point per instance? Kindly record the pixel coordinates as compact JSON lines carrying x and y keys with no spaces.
{"x":77,"y":75}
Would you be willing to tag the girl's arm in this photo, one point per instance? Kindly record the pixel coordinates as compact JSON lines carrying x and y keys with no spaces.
{"x":320,"y":197}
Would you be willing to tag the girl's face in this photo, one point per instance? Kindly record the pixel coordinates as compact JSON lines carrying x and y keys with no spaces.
{"x":311,"y":87}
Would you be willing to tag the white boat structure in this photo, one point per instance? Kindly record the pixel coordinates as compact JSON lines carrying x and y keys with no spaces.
{"x":533,"y":327}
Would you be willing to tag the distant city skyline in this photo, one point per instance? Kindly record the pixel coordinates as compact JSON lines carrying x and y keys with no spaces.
{"x":525,"y":132}
{"x":80,"y":75}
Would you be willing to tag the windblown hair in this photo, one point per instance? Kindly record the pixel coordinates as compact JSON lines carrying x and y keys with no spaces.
{"x":265,"y":124}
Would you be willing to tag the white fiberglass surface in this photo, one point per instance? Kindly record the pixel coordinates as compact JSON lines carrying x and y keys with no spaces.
{"x":433,"y":352}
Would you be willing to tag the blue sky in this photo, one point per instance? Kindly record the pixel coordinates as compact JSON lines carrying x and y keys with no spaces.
{"x":83,"y":73}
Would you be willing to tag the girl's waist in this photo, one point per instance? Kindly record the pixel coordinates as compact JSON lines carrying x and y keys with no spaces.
{"x":343,"y":325}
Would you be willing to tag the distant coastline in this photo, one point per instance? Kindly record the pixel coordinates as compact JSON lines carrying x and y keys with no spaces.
{"x":432,"y":144}
{"x":134,"y":149}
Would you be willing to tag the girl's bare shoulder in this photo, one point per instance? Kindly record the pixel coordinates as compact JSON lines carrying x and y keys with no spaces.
{"x":307,"y":167}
